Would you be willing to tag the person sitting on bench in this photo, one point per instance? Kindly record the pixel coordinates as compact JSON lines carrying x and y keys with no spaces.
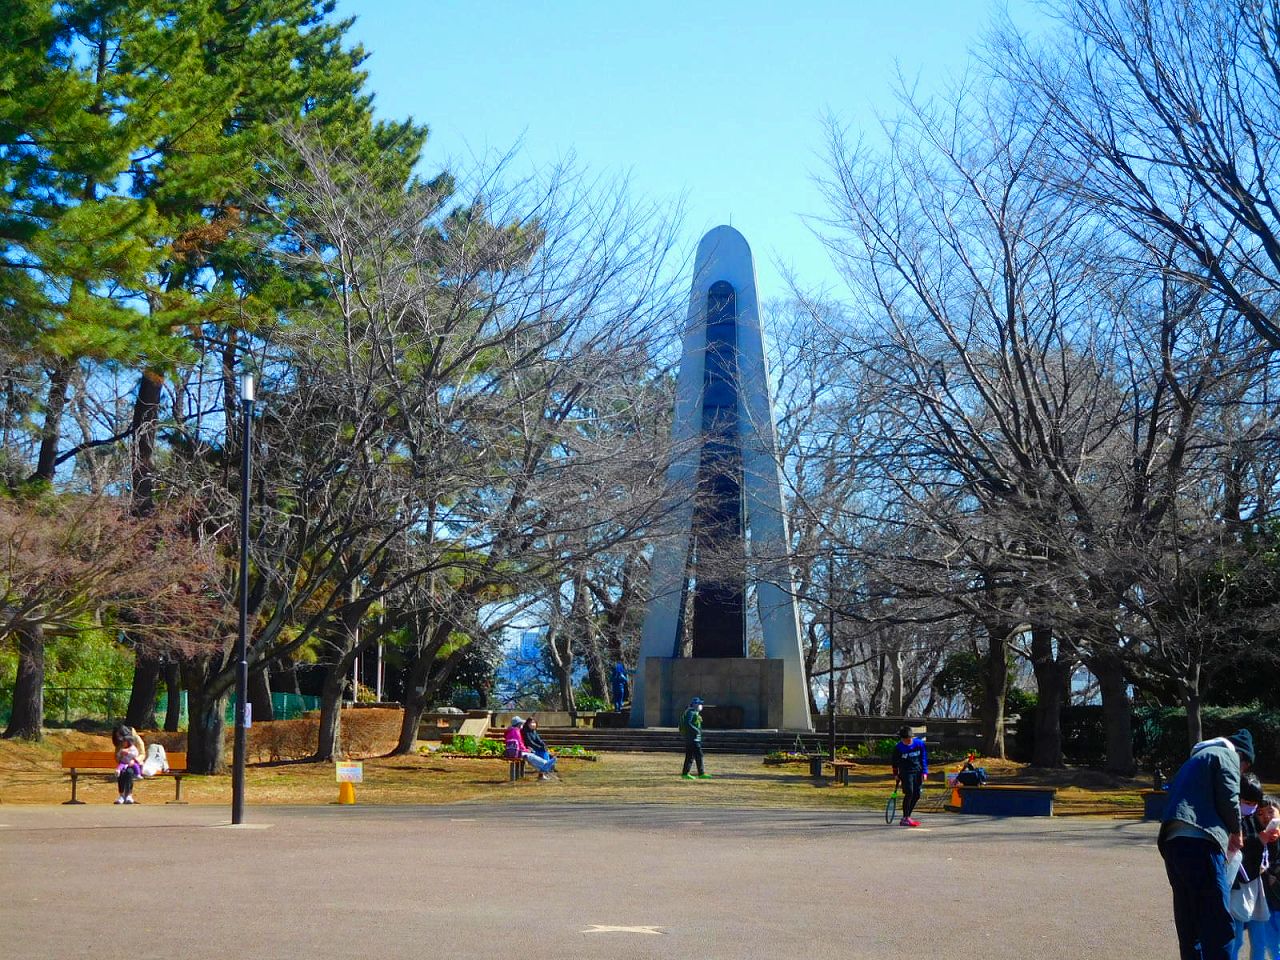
{"x":127,"y":744}
{"x":539,"y":753}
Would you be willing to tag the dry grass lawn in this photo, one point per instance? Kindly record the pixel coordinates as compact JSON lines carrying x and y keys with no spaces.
{"x":31,"y":773}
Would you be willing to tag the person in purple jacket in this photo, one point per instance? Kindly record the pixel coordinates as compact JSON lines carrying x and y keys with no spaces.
{"x":910,"y":767}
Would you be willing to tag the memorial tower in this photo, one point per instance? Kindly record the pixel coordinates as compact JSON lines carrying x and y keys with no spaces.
{"x":726,"y":518}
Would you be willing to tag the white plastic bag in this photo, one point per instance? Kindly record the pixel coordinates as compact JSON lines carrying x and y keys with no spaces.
{"x":156,"y":762}
{"x":1249,"y":903}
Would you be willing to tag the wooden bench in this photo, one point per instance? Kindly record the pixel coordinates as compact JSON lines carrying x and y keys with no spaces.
{"x":515,"y":768}
{"x":77,"y":761}
{"x":1007,"y":800}
{"x":841,"y":770}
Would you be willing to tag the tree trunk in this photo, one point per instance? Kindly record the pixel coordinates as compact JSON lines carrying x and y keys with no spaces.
{"x":421,"y":686}
{"x":51,"y":430}
{"x":1117,"y":717}
{"x":994,"y":688}
{"x":335,"y":680}
{"x":564,"y":681}
{"x":141,"y":712}
{"x":260,"y":695}
{"x":1195,"y":726}
{"x":206,"y":732}
{"x":286,"y":678}
{"x":1049,"y":672}
{"x":897,"y":692}
{"x":27,"y":720}
{"x":173,"y":697}
{"x":597,"y":675}
{"x":414,"y":706}
{"x":146,"y":414}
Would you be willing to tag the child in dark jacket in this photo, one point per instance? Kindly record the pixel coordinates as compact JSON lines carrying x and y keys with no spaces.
{"x":1259,"y":836}
{"x":1269,"y":933}
{"x":910,"y":767}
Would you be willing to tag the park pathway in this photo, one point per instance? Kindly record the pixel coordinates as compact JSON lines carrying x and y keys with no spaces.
{"x":572,"y":881}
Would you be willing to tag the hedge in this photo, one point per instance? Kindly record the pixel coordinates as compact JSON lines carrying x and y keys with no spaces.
{"x":1159,"y":735}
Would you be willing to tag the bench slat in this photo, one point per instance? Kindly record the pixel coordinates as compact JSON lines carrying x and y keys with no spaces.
{"x":106,"y":760}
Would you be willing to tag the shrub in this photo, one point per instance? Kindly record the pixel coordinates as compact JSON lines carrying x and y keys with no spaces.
{"x":785,"y":756}
{"x":585,"y":702}
{"x":468,"y":746}
{"x":369,"y":731}
{"x":577,"y":751}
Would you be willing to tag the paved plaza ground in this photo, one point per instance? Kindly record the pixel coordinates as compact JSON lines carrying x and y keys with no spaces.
{"x":556,"y":880}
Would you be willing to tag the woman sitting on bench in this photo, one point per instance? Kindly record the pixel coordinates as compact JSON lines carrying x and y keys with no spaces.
{"x":125,"y":738}
{"x":539,"y":753}
{"x":517,"y":747}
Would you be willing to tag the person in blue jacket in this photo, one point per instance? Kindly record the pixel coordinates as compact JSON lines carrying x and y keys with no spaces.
{"x":1200,"y":831}
{"x":619,"y":685}
{"x":910,"y":767}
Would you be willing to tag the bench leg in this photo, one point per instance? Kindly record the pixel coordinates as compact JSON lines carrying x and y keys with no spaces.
{"x":177,"y":791}
{"x":74,"y":779}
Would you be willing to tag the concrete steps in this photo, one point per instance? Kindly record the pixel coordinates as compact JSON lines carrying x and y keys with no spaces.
{"x":669,"y":740}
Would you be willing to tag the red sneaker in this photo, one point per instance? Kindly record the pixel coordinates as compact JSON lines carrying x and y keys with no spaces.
{"x":912,"y":823}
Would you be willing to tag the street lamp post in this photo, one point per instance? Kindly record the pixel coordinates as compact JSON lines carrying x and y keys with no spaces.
{"x":242,"y":639}
{"x":831,"y":645}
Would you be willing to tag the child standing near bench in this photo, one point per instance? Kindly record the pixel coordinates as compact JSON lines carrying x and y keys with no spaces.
{"x":910,"y":767}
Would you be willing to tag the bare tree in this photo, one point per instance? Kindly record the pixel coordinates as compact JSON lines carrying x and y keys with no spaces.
{"x":1166,"y":120}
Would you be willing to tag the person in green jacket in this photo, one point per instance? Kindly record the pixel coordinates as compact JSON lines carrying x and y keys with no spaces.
{"x":691,"y":728}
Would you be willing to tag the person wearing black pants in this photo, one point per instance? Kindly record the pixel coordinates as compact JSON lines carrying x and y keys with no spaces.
{"x":1202,"y":828}
{"x":691,"y":727}
{"x":121,"y":736}
{"x":910,"y":767}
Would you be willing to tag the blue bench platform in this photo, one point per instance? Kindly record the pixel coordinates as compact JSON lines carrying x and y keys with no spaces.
{"x":1154,"y":803}
{"x":993,"y":800}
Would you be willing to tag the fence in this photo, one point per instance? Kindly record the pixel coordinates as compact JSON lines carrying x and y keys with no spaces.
{"x":285,"y":706}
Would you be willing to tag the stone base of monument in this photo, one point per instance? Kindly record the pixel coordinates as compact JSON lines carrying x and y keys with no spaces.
{"x":741,"y":693}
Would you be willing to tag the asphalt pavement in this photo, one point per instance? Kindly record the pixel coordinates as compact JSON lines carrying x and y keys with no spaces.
{"x":572,"y":881}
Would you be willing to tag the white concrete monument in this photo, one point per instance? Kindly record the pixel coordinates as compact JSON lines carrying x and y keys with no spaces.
{"x":727,"y":516}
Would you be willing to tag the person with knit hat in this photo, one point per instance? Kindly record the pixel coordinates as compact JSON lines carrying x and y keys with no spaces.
{"x":1200,"y":831}
{"x":691,"y":730}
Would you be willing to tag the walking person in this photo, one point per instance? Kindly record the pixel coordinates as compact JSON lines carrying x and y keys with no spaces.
{"x":1201,"y":829}
{"x":910,"y":768}
{"x":691,"y":729}
{"x":129,"y":748}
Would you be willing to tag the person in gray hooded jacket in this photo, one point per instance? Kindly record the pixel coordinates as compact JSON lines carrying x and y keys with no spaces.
{"x":1201,"y":829}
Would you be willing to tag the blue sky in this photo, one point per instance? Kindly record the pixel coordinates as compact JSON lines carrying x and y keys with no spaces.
{"x":716,"y":103}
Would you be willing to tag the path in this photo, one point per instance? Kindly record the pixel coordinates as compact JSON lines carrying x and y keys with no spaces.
{"x":573,"y":881}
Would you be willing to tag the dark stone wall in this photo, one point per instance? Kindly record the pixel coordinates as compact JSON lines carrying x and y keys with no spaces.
{"x":719,"y":626}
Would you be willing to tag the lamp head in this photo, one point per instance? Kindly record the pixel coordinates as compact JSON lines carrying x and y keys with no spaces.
{"x":246,"y":388}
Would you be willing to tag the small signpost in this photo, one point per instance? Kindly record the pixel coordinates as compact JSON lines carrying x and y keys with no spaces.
{"x":348,"y":774}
